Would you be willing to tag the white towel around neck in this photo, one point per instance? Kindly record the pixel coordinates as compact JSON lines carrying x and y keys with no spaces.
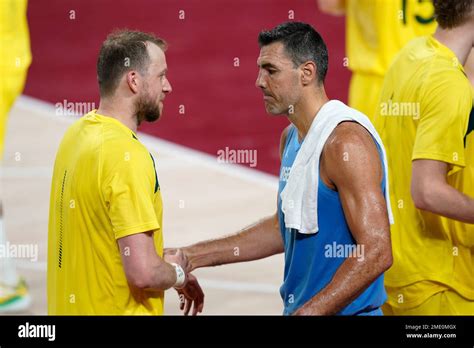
{"x":300,"y":195}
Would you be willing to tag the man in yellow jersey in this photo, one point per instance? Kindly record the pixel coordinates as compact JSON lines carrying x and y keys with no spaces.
{"x":105,"y":225}
{"x":426,"y":122}
{"x":375,"y":31}
{"x":15,"y":58}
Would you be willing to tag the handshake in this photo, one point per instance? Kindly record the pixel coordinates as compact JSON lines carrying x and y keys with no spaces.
{"x":189,"y":291}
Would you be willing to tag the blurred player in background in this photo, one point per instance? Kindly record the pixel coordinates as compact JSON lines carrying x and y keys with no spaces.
{"x":426,"y":121}
{"x":375,"y":31}
{"x":15,"y":58}
{"x":105,"y":243}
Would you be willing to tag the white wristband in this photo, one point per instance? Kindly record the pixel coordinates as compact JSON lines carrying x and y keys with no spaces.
{"x":180,"y":276}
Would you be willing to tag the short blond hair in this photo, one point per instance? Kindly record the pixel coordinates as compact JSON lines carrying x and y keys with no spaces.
{"x":122,"y":51}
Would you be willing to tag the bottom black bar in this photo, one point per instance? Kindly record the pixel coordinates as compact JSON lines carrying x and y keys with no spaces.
{"x":225,"y":330}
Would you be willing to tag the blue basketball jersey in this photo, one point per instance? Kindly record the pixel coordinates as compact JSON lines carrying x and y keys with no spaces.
{"x":311,"y":260}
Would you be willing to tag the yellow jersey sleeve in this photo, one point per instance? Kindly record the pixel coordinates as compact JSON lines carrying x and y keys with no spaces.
{"x":443,"y":122}
{"x":128,"y":188}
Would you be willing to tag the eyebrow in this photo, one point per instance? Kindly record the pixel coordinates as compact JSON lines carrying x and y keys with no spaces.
{"x":164,"y":71}
{"x":267,"y":66}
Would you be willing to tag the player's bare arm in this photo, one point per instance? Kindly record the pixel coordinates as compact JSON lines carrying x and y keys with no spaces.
{"x":431,"y":192}
{"x":144,"y":268}
{"x":254,"y":242}
{"x":350,"y":164}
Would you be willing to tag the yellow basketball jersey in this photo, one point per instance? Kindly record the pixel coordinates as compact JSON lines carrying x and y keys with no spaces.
{"x":377,"y":29}
{"x":425,"y":112}
{"x":104,"y":188}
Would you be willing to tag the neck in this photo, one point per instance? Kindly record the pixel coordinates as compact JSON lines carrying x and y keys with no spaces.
{"x":306,"y":111}
{"x":459,"y":40}
{"x":120,"y":111}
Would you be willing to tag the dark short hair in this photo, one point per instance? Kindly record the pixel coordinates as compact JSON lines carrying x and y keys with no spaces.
{"x":122,"y":51}
{"x":452,"y":13}
{"x":302,"y":43}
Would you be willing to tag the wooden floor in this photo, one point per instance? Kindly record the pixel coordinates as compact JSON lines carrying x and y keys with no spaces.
{"x":202,"y":199}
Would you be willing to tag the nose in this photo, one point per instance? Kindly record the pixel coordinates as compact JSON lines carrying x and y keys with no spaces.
{"x":167,"y":86}
{"x":260,"y":82}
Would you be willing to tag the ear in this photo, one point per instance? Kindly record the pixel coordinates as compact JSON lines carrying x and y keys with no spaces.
{"x":132,"y":81}
{"x":309,"y":73}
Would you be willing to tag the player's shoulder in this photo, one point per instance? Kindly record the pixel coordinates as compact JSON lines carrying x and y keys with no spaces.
{"x":444,"y":67}
{"x":122,"y":144}
{"x":456,"y":78}
{"x":437,"y":68}
{"x":349,"y":138}
{"x":116,"y":136}
{"x":426,"y":51}
{"x":351,"y":152}
{"x":448,"y":69}
{"x":447,"y":82}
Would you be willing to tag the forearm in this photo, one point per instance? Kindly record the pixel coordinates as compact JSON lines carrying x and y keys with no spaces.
{"x":143,"y":267}
{"x":254,"y":242}
{"x":349,"y":281}
{"x":162,"y":277}
{"x":445,"y":200}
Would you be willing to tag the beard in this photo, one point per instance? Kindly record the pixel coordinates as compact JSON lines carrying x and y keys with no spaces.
{"x":146,"y":109}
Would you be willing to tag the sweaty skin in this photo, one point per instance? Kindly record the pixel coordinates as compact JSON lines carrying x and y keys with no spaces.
{"x":350,"y":164}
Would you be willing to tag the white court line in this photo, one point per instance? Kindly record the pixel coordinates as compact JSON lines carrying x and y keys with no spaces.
{"x":264,"y":288}
{"x":157,"y":145}
{"x":153,"y":143}
{"x":32,"y":266}
{"x":26,"y":172}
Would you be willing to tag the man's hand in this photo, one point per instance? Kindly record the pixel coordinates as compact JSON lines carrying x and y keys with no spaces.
{"x":177,"y":256}
{"x":192,"y":292}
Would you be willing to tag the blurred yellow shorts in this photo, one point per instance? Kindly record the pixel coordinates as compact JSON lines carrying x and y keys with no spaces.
{"x":447,"y":302}
{"x":12,"y":82}
{"x":364,"y":92}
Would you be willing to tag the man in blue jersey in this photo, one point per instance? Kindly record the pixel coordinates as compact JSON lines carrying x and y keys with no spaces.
{"x":339,"y":269}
